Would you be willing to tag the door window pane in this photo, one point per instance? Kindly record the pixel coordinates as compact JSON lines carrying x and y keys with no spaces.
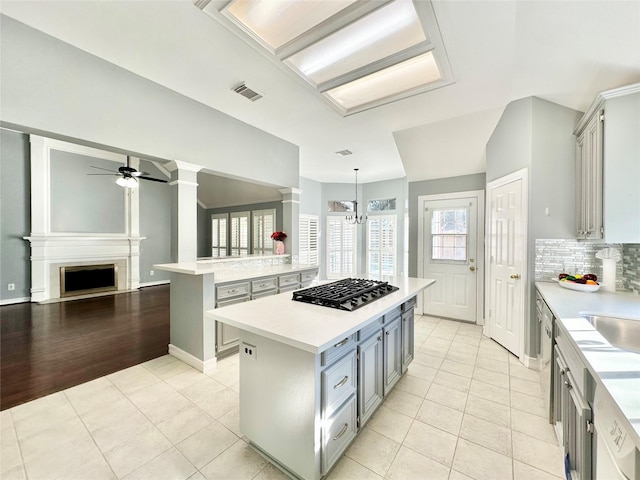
{"x":449,"y":234}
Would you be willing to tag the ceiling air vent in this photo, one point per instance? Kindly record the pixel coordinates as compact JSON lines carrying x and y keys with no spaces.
{"x":247,"y":92}
{"x":344,"y":153}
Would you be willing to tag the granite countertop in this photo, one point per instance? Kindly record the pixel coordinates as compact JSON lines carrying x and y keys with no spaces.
{"x":617,"y":370}
{"x":312,"y":327}
{"x":225,"y":274}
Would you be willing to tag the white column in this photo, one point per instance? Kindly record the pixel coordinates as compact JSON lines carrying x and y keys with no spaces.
{"x":184,"y":235}
{"x":291,"y":219}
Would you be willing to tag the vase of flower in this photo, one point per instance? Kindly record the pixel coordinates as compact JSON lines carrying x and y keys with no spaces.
{"x":278,"y":244}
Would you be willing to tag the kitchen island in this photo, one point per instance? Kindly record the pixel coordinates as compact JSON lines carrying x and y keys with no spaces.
{"x":310,"y":376}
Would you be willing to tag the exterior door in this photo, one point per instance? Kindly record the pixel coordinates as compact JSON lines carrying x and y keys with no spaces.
{"x":506,"y":265}
{"x":449,"y":256}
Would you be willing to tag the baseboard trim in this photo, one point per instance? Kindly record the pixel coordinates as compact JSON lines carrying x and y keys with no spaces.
{"x":154,"y":284}
{"x":11,"y":301}
{"x":204,"y":367}
{"x":532,"y":362}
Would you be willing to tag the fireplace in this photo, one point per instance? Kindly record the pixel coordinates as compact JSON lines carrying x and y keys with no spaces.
{"x":87,"y":279}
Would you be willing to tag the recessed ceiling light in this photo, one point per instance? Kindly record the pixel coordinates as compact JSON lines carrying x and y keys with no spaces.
{"x":344,"y":153}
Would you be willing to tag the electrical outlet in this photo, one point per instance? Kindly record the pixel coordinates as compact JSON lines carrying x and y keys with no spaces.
{"x":152,"y":273}
{"x":11,"y":286}
{"x":249,"y":351}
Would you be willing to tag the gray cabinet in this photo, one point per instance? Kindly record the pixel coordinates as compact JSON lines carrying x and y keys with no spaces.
{"x":407,"y":333}
{"x":370,"y":380}
{"x":227,"y":337}
{"x":392,"y":367}
{"x":589,"y":182}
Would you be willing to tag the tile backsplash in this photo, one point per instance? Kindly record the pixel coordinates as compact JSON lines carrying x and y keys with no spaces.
{"x":555,"y":256}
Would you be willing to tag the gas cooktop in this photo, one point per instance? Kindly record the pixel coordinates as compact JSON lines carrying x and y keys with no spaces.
{"x":347,"y":294}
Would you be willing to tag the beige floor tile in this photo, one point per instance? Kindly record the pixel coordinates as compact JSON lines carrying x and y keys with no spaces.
{"x":220,"y":403}
{"x":527,"y":403}
{"x":390,"y":423}
{"x":534,"y":426}
{"x":172,"y":369}
{"x":206,"y":444}
{"x":444,"y":334}
{"x":227,"y":375}
{"x":525,"y":386}
{"x":440,"y":416}
{"x":239,"y":462}
{"x":184,"y":423}
{"x":39,"y":406}
{"x":93,"y":395}
{"x":348,"y":469}
{"x":270,"y":472}
{"x":137,"y":451}
{"x":231,"y":420}
{"x":202,"y":389}
{"x":420,"y":371}
{"x":437,"y":342}
{"x":197,"y":476}
{"x":165,"y":407}
{"x":423,"y":358}
{"x":159,"y":362}
{"x":447,"y":396}
{"x":185,"y":379}
{"x":492,"y":354}
{"x":461,"y":347}
{"x":374,"y":451}
{"x":487,"y":434}
{"x":455,"y":475}
{"x":10,"y":456}
{"x":432,"y":442}
{"x":468,"y":358}
{"x":522,"y":471}
{"x":467,"y":339}
{"x":493,"y":365}
{"x":462,"y":369}
{"x":520,"y":371}
{"x":39,"y":443}
{"x":410,"y":464}
{"x":403,"y":402}
{"x":537,"y":453}
{"x":481,"y":463}
{"x":491,"y":377}
{"x":170,"y":465}
{"x":134,"y":378}
{"x":489,"y":410}
{"x":15,"y":473}
{"x":452,"y":380}
{"x":414,"y":385}
{"x":489,"y":392}
{"x":28,"y":426}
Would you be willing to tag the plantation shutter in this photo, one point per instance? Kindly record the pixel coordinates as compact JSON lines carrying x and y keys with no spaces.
{"x":341,"y":247}
{"x":240,"y":233}
{"x":219,"y":235}
{"x":308,"y":240}
{"x":264,"y":224}
{"x":381,"y":244}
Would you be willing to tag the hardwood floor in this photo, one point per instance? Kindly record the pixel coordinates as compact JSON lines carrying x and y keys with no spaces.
{"x":48,"y":348}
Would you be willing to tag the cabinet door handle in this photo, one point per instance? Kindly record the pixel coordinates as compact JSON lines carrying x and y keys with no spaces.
{"x":387,"y":333}
{"x":568,"y":385}
{"x":341,"y":382}
{"x":379,"y":339}
{"x":342,"y":432}
{"x":343,"y":342}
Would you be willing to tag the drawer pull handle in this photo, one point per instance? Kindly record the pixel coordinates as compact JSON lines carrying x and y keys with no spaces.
{"x":343,"y":342}
{"x":233,"y":291}
{"x":342,"y":382}
{"x":342,"y":432}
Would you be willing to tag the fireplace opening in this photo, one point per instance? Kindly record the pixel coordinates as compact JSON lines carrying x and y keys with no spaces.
{"x":85,"y":279}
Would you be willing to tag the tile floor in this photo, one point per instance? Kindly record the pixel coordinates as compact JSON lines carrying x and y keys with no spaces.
{"x":465,"y":409}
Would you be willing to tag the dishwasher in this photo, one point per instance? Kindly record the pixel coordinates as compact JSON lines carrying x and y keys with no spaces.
{"x":545,"y":319}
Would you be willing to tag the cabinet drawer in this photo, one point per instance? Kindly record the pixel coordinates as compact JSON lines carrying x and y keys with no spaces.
{"x":232,"y":290}
{"x":287,"y":280}
{"x":308,"y":276}
{"x":409,"y":304}
{"x":337,"y":433}
{"x":267,"y":293}
{"x":289,"y":288}
{"x":370,"y":329}
{"x":338,"y":383}
{"x":264,"y":284}
{"x":392,"y":315}
{"x":336,"y":351}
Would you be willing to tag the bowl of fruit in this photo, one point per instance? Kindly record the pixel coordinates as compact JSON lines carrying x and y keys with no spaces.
{"x":580,"y":283}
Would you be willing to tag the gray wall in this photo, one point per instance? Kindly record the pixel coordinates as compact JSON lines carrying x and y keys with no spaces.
{"x":155,"y":224}
{"x":50,"y":86}
{"x":15,"y":214}
{"x":434,"y":187}
{"x":311,"y":197}
{"x":82,"y":203}
{"x":204,"y":232}
{"x":538,"y":135}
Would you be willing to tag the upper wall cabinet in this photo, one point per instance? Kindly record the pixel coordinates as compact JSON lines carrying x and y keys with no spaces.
{"x":608,"y":168}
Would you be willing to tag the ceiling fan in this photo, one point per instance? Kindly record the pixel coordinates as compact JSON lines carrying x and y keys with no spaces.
{"x":128,"y":176}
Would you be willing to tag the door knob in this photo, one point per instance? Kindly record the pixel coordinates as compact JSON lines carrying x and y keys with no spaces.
{"x":515,"y":276}
{"x":472,"y":268}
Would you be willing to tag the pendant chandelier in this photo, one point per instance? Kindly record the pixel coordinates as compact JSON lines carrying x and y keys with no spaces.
{"x":355,"y":219}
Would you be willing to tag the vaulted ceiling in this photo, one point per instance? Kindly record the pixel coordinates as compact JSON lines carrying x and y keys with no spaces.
{"x":561,"y":51}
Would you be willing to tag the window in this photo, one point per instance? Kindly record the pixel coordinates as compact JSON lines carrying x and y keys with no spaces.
{"x":339,"y":206}
{"x":263,"y":225}
{"x":219,"y":235}
{"x":341,"y":247}
{"x":239,"y":233}
{"x":381,"y":205}
{"x":308,"y":240}
{"x":405,"y":263}
{"x":381,"y":245}
{"x":449,"y":234}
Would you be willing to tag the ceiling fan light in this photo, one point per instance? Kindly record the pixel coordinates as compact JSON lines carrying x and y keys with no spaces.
{"x":122,"y":181}
{"x":131,"y":182}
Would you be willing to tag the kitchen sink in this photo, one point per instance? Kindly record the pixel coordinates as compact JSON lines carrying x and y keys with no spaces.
{"x":623,"y":333}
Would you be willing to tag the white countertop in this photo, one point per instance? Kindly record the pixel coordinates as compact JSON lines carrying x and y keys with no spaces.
{"x":312,"y":327}
{"x":223,"y":274}
{"x":617,"y":370}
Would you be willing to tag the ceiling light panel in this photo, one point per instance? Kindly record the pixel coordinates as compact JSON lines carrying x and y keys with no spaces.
{"x":383,"y":33}
{"x":277,"y":22}
{"x":405,"y":77}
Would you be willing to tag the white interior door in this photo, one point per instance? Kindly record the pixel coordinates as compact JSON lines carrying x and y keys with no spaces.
{"x":450,"y":257}
{"x":507,"y":259}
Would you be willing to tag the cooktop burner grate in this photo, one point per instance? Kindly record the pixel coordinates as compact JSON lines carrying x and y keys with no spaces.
{"x":347,"y":294}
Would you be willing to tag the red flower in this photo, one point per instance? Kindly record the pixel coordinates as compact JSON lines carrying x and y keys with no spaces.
{"x":280,"y":236}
